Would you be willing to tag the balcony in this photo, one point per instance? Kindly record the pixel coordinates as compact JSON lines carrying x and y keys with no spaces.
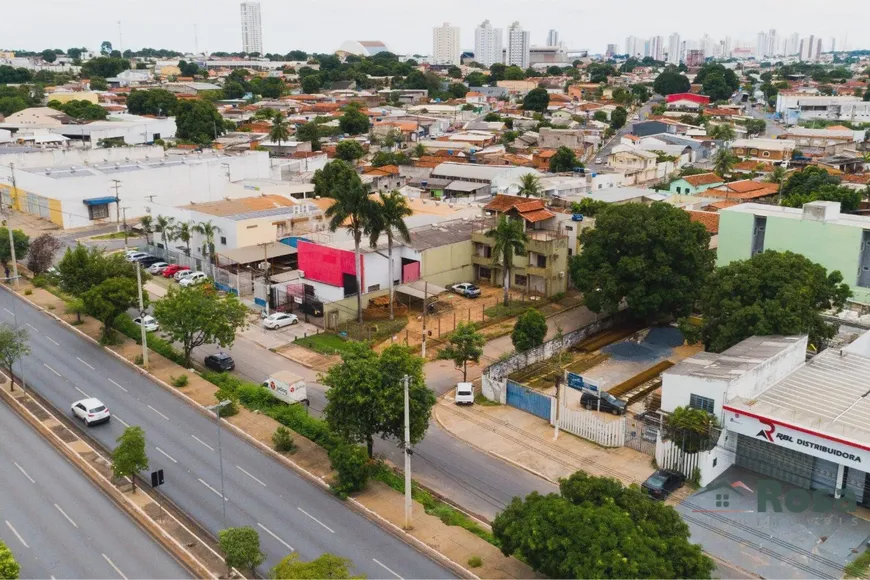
{"x":544,"y":272}
{"x":481,"y":260}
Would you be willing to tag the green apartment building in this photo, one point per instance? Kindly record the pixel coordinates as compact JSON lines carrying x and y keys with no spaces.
{"x":819,"y":231}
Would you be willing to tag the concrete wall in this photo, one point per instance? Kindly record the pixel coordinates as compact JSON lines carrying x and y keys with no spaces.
{"x":677,"y":389}
{"x":447,"y":265}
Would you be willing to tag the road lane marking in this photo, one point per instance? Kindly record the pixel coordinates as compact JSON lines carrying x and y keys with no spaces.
{"x":315,"y":519}
{"x":21,"y":469}
{"x":52,"y":340}
{"x":82,"y":392}
{"x":51,"y":369}
{"x":9,"y":311}
{"x":251,"y":476}
{"x":213,"y":489}
{"x":271,"y":533}
{"x":203,"y":442}
{"x":124,"y":423}
{"x":69,"y":519}
{"x":158,"y":412}
{"x":17,"y":535}
{"x":166,"y":454}
{"x":112,"y":564}
{"x":33,"y":327}
{"x":86,"y":364}
{"x":117,"y":385}
{"x":375,"y":560}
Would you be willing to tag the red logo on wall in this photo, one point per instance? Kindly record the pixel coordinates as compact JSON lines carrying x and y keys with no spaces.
{"x":767,"y":433}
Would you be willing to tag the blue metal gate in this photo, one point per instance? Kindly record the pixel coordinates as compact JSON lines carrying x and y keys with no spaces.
{"x":529,"y":401}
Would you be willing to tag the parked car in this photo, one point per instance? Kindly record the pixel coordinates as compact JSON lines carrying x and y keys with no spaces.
{"x":171,"y":270}
{"x":91,"y":411}
{"x":220,"y":361}
{"x":149,"y":322}
{"x":466,"y":289}
{"x":464,"y":394}
{"x":193,"y":278}
{"x":149,"y":261}
{"x":662,"y":483}
{"x":157,"y":267}
{"x":280,"y":320}
{"x":598,"y":160}
{"x":135,"y":256}
{"x":609,"y":403}
{"x":182,"y":274}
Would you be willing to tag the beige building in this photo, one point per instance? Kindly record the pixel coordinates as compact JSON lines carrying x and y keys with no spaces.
{"x":39,"y":116}
{"x":639,"y":166}
{"x":67,"y":96}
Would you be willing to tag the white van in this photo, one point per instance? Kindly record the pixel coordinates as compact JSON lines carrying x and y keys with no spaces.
{"x":464,"y":394}
{"x":287,"y":387}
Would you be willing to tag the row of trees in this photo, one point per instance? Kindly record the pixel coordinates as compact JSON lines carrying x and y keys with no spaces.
{"x":171,"y":230}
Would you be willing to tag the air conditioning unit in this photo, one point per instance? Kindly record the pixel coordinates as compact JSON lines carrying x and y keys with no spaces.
{"x":301,"y":273}
{"x":561,"y":275}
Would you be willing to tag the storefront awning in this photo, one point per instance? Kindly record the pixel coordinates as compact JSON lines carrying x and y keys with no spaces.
{"x":100,"y":200}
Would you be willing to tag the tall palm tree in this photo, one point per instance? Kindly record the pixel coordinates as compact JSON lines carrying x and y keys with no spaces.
{"x":723,"y":132}
{"x":146,"y":223}
{"x":352,"y":210}
{"x":280,"y":131}
{"x":208,"y":230}
{"x":419,"y":150}
{"x":164,"y":226}
{"x":510,"y":240}
{"x":530,"y":185}
{"x":777,"y":176}
{"x":183,"y":231}
{"x":723,"y":162}
{"x":388,"y":218}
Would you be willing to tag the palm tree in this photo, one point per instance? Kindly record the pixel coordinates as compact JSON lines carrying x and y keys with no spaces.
{"x":146,"y":224}
{"x":723,"y":132}
{"x":419,"y":150}
{"x":164,"y":226}
{"x":510,"y":240}
{"x":723,"y":162}
{"x":279,"y":132}
{"x":352,"y":210}
{"x":208,"y":230}
{"x":183,"y":231}
{"x":388,"y":217}
{"x":777,"y":176}
{"x":530,"y":185}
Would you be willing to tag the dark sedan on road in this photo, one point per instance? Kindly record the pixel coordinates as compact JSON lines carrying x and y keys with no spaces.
{"x":662,"y":483}
{"x":220,"y":362}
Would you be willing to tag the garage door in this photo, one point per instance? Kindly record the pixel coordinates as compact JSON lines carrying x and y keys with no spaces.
{"x":856,"y":482}
{"x":824,"y":475}
{"x":776,"y":462}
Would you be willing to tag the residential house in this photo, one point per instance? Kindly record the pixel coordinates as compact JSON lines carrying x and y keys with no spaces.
{"x":686,"y":101}
{"x":639,"y":166}
{"x":743,"y":191}
{"x":385,"y":178}
{"x":826,"y":141}
{"x":710,"y":221}
{"x":498,"y":177}
{"x":776,"y":151}
{"x":554,"y":138}
{"x":695,"y":184}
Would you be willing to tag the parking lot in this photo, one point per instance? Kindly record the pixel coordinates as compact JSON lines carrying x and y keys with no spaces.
{"x":277,"y":338}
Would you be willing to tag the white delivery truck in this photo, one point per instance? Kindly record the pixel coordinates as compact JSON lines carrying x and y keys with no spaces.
{"x":287,"y":387}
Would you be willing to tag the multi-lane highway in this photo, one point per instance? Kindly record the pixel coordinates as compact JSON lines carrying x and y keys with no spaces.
{"x":290,"y":512}
{"x":58,"y":524}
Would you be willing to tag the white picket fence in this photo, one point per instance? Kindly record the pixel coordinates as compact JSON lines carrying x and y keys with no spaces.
{"x":670,"y":456}
{"x":590,"y":425}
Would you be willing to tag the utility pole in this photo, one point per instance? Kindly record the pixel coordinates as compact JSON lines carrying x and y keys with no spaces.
{"x":9,"y":228}
{"x":120,"y":39}
{"x":117,"y":185}
{"x":266,"y":283}
{"x":558,"y":389}
{"x":142,"y":316}
{"x":425,"y":308}
{"x":126,"y":231}
{"x":407,"y":455}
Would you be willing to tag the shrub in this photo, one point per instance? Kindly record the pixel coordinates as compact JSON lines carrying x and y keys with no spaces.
{"x":139,"y":361}
{"x":475,"y":562}
{"x":351,"y":463}
{"x":28,"y":292}
{"x":224,"y":394}
{"x":282,"y":440}
{"x":39,"y":281}
{"x":179,"y":381}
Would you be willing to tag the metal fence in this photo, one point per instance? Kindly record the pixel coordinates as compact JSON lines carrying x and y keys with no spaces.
{"x":234,"y":278}
{"x":529,"y":401}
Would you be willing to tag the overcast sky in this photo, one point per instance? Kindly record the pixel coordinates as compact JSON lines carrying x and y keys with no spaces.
{"x":406,"y":25}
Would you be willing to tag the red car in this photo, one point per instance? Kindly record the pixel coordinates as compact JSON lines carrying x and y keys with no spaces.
{"x":172,"y":269}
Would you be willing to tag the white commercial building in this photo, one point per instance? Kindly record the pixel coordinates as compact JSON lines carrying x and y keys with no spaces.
{"x":674,"y":49}
{"x":518,"y":45}
{"x":793,"y":106}
{"x":445,"y":44}
{"x":657,"y":47}
{"x":634,"y":46}
{"x":487,"y":44}
{"x":553,"y":38}
{"x":132,"y":129}
{"x":252,"y":28}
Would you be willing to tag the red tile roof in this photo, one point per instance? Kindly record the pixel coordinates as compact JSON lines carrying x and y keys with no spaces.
{"x":746,"y":189}
{"x":700,"y":99}
{"x":709,"y":219}
{"x":537,"y":215}
{"x":703,"y":179}
{"x":529,"y":209}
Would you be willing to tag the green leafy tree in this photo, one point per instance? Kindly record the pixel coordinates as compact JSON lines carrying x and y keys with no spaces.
{"x":21,"y":241}
{"x":771,"y":293}
{"x":241,"y":548}
{"x":324,"y":567}
{"x":723,"y":162}
{"x":41,"y":254}
{"x":670,"y":82}
{"x":48,"y":55}
{"x":476,"y":79}
{"x":588,"y":207}
{"x":514,"y":73}
{"x":311,"y":84}
{"x":208,"y":231}
{"x":530,"y":185}
{"x":466,"y":345}
{"x":198,"y":121}
{"x":157,"y":102}
{"x":279,"y":132}
{"x":310,"y":132}
{"x":183,"y":232}
{"x":110,"y":299}
{"x":354,"y":121}
{"x":80,"y":110}
{"x":349,"y":150}
{"x":600,"y":116}
{"x":723,"y":133}
{"x":76,"y":306}
{"x":529,"y":330}
{"x":104,"y":67}
{"x":690,"y":428}
{"x":98,"y":84}
{"x":564,"y":160}
{"x":352,"y":466}
{"x":366,"y":395}
{"x":10,"y":569}
{"x":536,"y":100}
{"x":82,"y":268}
{"x":816,"y":184}
{"x":510,"y":240}
{"x":388,"y":218}
{"x":560,"y":535}
{"x":188,"y":69}
{"x":335,"y":174}
{"x":130,"y":456}
{"x":618,"y":118}
{"x":653,"y":257}
{"x":164,"y":226}
{"x":13,"y":345}
{"x":458,"y":90}
{"x":199,"y":315}
{"x":105,"y":47}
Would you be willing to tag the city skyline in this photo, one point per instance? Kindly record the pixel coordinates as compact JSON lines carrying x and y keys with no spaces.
{"x":214,"y":25}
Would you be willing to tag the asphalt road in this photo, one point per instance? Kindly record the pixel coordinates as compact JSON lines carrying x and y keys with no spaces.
{"x":58,"y":524}
{"x":642,"y":114}
{"x":289,"y":512}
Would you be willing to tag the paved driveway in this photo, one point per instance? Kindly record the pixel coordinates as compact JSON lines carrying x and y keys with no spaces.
{"x":771,"y":545}
{"x":280,"y":337}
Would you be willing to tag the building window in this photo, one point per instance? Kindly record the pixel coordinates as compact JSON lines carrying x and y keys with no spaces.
{"x":98,"y":212}
{"x":703,"y":403}
{"x":374,"y":287}
{"x":678,"y":190}
{"x":223,"y":240}
{"x":520,"y":280}
{"x":753,"y":151}
{"x":765,"y":153}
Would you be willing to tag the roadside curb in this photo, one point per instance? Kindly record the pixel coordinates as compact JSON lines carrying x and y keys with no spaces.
{"x":372,"y":516}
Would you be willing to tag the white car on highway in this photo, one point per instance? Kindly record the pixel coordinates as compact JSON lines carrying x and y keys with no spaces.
{"x":193,"y":278}
{"x":149,"y":322}
{"x":280,"y":320}
{"x":91,"y":411}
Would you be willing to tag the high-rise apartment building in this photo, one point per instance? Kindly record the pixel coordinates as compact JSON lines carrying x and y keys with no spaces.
{"x":810,"y":48}
{"x":487,"y":44}
{"x":657,"y":47}
{"x":445,"y":44}
{"x":792,"y":45}
{"x":726,"y":47}
{"x":634,"y":47}
{"x":252,"y":28}
{"x":761,"y":45}
{"x":553,"y":38}
{"x":518,"y":44}
{"x":772,"y":43}
{"x":674,"y":49}
{"x":694,"y":57}
{"x":612,"y":49}
{"x":708,"y":45}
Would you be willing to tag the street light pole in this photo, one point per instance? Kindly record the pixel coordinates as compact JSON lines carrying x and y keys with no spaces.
{"x":9,"y":226}
{"x":217,"y":414}
{"x":407,"y":456}
{"x":142,"y":316}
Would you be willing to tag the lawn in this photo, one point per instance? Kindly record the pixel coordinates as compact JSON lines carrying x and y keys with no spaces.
{"x":324,"y":343}
{"x":114,"y":236}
